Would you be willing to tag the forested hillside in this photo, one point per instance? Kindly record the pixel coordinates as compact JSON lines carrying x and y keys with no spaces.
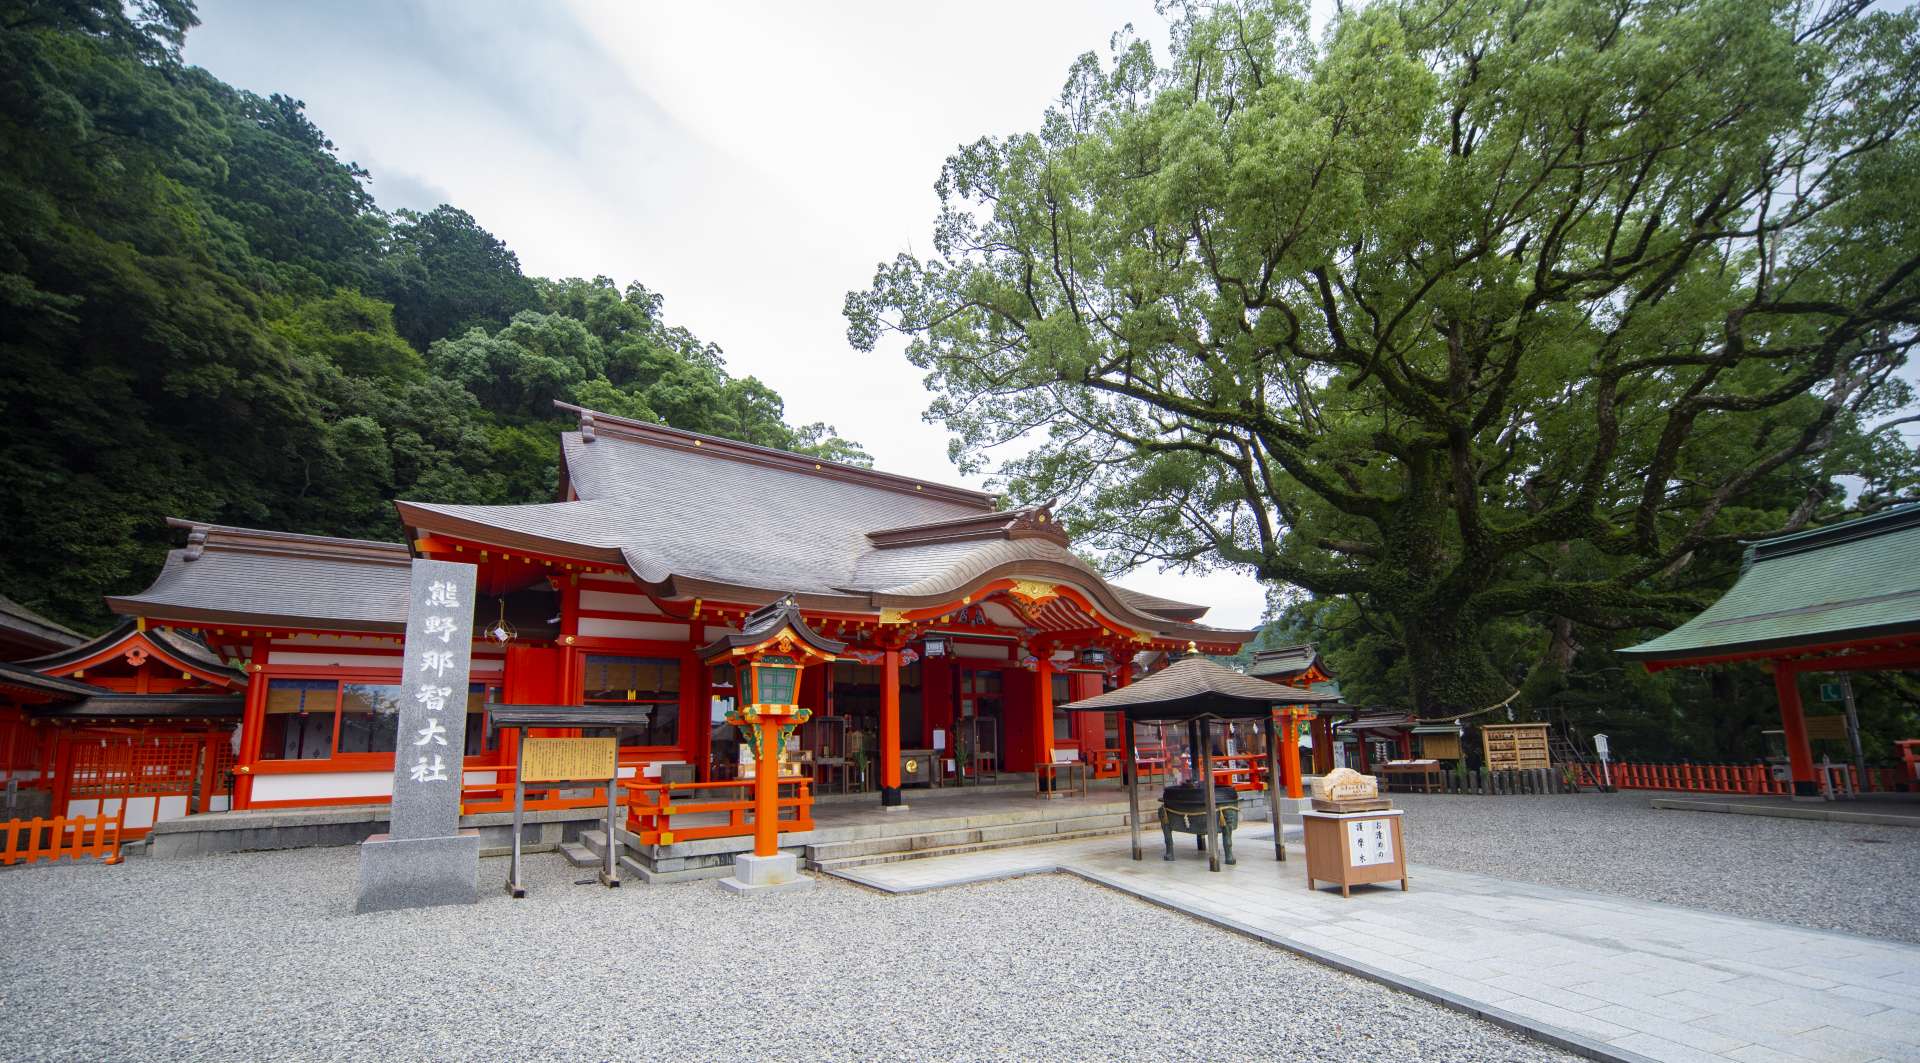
{"x":203,"y":313}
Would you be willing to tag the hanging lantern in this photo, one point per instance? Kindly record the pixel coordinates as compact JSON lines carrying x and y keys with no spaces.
{"x":1094,"y":655}
{"x":501,"y":631}
{"x":937,"y":645}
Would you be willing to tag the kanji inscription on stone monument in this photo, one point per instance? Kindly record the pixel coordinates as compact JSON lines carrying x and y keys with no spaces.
{"x":424,"y":859}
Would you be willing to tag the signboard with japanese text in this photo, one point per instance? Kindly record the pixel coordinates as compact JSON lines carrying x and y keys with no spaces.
{"x":432,"y":738}
{"x":1369,"y":842}
{"x":569,"y":759}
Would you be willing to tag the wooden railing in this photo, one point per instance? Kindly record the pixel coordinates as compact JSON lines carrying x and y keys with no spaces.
{"x":1756,"y":779}
{"x":1241,"y":771}
{"x":478,"y":798}
{"x":72,"y":837}
{"x":652,"y":808}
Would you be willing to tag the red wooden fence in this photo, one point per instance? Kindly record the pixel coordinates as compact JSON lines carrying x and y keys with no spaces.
{"x":72,"y":837}
{"x":1753,"y":779}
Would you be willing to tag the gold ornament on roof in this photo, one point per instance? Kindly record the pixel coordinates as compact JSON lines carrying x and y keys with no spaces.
{"x":1034,"y":591}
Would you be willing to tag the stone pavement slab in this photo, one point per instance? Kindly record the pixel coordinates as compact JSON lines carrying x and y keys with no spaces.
{"x":1610,"y":977}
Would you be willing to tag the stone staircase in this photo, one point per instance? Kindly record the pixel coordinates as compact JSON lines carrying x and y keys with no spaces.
{"x":861,"y":852}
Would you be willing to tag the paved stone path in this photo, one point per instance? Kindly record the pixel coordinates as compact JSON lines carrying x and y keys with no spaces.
{"x":1606,"y":976}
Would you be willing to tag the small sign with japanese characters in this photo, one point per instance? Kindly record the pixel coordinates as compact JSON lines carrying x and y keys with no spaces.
{"x":1369,"y":842}
{"x":433,"y":708}
{"x":569,"y":759}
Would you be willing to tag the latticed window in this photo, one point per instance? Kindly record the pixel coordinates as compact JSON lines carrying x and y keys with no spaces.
{"x":648,"y":683}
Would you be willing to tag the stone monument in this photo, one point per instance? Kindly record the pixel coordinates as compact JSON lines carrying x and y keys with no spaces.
{"x":425,"y":858}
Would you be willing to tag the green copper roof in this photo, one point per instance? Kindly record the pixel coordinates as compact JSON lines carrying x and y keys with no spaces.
{"x":1859,"y":579}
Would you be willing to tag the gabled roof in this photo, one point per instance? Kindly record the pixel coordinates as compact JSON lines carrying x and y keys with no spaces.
{"x":19,"y":680}
{"x":1845,"y":582}
{"x":182,"y":651}
{"x":1195,"y":688}
{"x":767,"y":622}
{"x":1284,"y":662}
{"x":248,"y":577}
{"x":27,"y":632}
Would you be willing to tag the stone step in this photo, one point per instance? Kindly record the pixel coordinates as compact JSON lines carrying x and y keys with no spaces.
{"x":579,"y":855}
{"x":595,"y":841}
{"x":909,"y":843}
{"x":850,"y":862}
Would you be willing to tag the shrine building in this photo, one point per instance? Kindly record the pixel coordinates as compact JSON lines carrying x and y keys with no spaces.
{"x":964,"y":624}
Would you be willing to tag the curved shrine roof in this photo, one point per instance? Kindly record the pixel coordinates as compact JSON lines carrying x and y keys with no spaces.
{"x":1844,"y":582}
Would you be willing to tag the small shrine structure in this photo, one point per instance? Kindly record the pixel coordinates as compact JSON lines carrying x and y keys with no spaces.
{"x":1843,"y":598}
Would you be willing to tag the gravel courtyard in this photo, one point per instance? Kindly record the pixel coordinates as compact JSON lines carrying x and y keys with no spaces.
{"x":1829,"y":876}
{"x":258,"y":957}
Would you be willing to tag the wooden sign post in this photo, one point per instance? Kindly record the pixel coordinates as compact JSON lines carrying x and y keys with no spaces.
{"x":551,"y":760}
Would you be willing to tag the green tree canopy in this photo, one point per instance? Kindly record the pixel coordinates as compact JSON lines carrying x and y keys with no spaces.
{"x":1468,"y":314}
{"x":204,"y":314}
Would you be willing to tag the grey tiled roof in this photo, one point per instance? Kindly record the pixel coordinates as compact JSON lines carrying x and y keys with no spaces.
{"x":106,"y":706}
{"x":688,"y":516}
{"x":1284,"y":661}
{"x":692,"y":515}
{"x":1196,"y":686}
{"x":30,"y":627}
{"x":241,"y":576}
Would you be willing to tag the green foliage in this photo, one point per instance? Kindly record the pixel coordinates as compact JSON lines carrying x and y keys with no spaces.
{"x":203,"y":314}
{"x":1492,"y":326}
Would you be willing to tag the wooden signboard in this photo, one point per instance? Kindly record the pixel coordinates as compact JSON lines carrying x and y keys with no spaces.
{"x":1515,"y":746}
{"x":1830,"y":728}
{"x":569,"y":759}
{"x":1439,"y":747}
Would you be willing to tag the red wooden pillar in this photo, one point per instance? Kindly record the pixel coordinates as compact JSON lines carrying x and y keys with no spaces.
{"x":1287,"y":737}
{"x":1322,"y":744}
{"x":1786,"y":683}
{"x":1043,"y":706}
{"x":253,"y":722}
{"x":890,"y":728}
{"x":211,"y":778}
{"x":766,"y":788}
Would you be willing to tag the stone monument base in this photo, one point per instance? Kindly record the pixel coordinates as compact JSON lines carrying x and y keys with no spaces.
{"x":779,"y":873}
{"x":418,"y":872}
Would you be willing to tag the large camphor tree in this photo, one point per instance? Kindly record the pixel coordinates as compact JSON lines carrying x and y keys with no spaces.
{"x":1467,"y":312}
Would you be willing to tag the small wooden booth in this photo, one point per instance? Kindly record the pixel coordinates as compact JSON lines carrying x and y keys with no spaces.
{"x":1355,"y":848}
{"x":1200,"y":693}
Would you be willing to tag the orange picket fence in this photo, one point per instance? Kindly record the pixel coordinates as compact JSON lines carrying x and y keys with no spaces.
{"x":1750,"y":779}
{"x":72,"y":837}
{"x":663,"y":813}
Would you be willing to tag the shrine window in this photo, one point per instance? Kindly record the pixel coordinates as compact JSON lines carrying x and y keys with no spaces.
{"x":651,"y":684}
{"x":1062,"y":694}
{"x":300,"y":718}
{"x":319,"y":719}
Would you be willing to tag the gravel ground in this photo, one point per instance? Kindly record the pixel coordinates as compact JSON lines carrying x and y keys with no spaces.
{"x":1829,"y":876}
{"x":258,"y":957}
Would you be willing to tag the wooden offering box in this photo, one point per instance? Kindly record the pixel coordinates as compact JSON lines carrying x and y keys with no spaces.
{"x":1354,"y":848}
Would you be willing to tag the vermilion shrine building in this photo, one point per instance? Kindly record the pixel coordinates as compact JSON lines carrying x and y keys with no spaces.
{"x":965,"y":623}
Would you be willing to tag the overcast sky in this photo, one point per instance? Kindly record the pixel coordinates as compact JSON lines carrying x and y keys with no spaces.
{"x":750,"y":161}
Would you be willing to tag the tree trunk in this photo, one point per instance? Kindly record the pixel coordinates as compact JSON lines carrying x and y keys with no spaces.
{"x":1448,"y":666}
